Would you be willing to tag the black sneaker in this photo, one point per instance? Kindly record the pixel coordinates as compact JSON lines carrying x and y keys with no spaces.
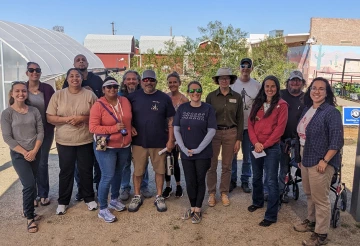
{"x":167,"y":192}
{"x":179,"y":191}
{"x":245,"y":187}
{"x":232,"y":186}
{"x":78,"y":197}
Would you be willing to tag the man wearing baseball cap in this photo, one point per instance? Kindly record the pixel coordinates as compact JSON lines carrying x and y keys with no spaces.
{"x":153,"y":113}
{"x":293,"y":95}
{"x":248,"y":88}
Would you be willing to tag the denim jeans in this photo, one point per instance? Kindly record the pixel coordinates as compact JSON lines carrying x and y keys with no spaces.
{"x":111,"y":163}
{"x":125,"y":181}
{"x":42,"y":176}
{"x":27,"y":172}
{"x":269,"y":164}
{"x":246,"y":164}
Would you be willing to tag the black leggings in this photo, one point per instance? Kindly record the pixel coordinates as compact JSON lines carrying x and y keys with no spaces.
{"x":175,"y":153}
{"x":195,"y":174}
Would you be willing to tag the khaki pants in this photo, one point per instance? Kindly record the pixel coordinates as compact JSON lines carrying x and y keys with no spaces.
{"x":225,"y":139}
{"x":316,"y":187}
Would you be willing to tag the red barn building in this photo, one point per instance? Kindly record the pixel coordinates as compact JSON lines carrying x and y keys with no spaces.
{"x":115,"y":51}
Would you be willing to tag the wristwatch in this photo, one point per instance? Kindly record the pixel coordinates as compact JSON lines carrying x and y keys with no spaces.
{"x":325,"y":160}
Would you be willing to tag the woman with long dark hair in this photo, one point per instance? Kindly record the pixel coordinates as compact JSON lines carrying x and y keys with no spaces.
{"x":266,"y":125}
{"x":39,"y":96}
{"x":22,"y":130}
{"x":321,"y":138}
{"x":69,"y":111}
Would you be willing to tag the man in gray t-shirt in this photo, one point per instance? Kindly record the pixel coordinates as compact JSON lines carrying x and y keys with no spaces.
{"x":248,"y":88}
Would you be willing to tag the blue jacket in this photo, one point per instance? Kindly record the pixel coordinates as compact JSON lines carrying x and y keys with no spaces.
{"x":324,"y":132}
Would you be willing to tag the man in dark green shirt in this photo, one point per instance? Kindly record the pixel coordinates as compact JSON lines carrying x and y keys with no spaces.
{"x":230,"y":120}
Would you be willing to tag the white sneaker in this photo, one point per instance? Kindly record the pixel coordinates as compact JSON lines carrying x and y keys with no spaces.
{"x":92,"y":205}
{"x":61,"y":209}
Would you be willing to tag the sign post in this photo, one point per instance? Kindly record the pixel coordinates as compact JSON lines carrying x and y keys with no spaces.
{"x":355,"y":198}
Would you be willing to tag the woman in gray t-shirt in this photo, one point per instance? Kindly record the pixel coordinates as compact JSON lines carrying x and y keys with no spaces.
{"x":22,"y":130}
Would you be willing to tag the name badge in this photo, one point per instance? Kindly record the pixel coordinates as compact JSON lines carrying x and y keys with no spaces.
{"x":232,"y":100}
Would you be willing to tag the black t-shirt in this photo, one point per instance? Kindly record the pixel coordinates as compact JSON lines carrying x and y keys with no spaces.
{"x":150,"y":113}
{"x":295,"y":108}
{"x":194,"y":122}
{"x":93,"y":81}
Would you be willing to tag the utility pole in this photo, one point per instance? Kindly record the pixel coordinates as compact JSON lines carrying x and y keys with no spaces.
{"x":171,"y":31}
{"x":113,"y":27}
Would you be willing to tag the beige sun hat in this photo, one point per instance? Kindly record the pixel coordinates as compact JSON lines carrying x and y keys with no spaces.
{"x":224,"y":71}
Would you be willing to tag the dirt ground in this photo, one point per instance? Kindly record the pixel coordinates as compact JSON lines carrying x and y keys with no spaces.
{"x":232,"y":225}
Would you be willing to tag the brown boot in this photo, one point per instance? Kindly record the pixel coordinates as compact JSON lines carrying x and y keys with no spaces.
{"x":212,"y":200}
{"x":225,"y":199}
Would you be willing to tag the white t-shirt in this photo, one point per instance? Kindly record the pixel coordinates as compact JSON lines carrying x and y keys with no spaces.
{"x":248,"y":91}
{"x":301,"y":128}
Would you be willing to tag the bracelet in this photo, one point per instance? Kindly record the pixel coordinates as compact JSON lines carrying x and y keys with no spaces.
{"x":325,"y":160}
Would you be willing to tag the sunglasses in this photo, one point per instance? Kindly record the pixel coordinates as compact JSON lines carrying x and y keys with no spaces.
{"x":245,"y":66}
{"x":37,"y":70}
{"x":112,"y":86}
{"x":195,"y":90}
{"x":148,"y":80}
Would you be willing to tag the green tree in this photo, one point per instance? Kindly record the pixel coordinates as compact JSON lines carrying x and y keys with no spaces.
{"x":269,"y":57}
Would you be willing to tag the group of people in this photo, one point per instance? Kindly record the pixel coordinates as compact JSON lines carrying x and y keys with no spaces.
{"x":105,"y":126}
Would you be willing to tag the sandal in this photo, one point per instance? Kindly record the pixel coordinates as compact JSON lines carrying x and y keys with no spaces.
{"x":36,"y":203}
{"x":196,"y":219}
{"x":253,"y":208}
{"x":31,"y":226}
{"x":266,"y":223}
{"x":36,"y":216}
{"x":44,"y":201}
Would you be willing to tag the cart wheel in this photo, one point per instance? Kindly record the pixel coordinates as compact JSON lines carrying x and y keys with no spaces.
{"x":343,"y":203}
{"x":296,"y":191}
{"x":335,"y":217}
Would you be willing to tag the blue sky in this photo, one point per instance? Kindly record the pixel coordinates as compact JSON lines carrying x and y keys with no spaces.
{"x":137,"y":18}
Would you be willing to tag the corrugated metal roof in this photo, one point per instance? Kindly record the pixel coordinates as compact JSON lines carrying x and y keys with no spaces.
{"x":110,"y":43}
{"x":53,"y":51}
{"x":157,"y":43}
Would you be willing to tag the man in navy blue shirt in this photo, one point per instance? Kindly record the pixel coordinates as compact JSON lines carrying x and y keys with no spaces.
{"x":153,"y":113}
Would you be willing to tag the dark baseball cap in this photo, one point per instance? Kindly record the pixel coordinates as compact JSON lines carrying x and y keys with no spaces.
{"x":248,"y":60}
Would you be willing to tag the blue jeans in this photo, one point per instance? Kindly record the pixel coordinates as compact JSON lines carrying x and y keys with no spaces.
{"x":125,"y":182}
{"x":111,"y":163}
{"x":42,"y":175}
{"x":246,"y":164}
{"x":269,"y":164}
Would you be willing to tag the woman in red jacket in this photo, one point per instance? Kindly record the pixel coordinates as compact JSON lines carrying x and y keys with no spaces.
{"x":110,"y":118}
{"x":266,"y":125}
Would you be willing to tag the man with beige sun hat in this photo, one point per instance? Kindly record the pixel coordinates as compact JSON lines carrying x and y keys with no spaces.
{"x":229,"y":117}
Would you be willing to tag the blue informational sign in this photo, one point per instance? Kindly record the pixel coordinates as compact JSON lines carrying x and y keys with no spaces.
{"x":351,"y":116}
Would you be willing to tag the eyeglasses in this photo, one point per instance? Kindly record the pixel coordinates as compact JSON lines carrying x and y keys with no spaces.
{"x":112,"y":86}
{"x":195,"y":90}
{"x":17,"y":82}
{"x":37,"y":70}
{"x":148,"y":80}
{"x":245,"y":66}
{"x":321,"y":89}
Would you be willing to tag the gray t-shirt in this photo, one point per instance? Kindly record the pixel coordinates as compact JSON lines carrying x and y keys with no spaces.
{"x":37,"y":100}
{"x":22,"y":129}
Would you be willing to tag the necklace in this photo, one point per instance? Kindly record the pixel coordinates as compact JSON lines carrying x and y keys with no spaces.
{"x":21,"y":110}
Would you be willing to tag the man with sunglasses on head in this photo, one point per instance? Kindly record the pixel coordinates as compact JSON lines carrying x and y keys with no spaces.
{"x":94,"y":83}
{"x":153,"y":113}
{"x":131,"y":83}
{"x":248,"y":88}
